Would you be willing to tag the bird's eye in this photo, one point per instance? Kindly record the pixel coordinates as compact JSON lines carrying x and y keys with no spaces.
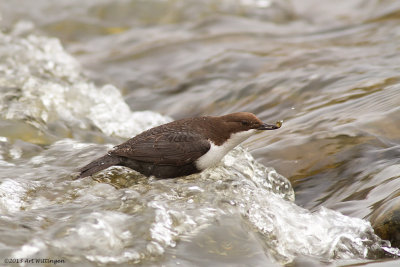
{"x":245,"y":123}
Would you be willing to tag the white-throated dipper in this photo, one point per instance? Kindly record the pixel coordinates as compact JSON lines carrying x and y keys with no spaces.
{"x":181,"y":147}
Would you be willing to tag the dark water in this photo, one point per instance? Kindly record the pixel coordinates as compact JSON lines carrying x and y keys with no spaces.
{"x":77,"y":77}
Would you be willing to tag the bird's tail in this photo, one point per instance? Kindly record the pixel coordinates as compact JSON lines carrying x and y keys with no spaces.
{"x":99,"y":164}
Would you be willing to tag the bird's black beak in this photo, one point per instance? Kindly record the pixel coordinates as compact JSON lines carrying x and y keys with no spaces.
{"x":266,"y":126}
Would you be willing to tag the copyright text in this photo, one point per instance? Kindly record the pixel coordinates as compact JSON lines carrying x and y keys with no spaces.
{"x":34,"y":260}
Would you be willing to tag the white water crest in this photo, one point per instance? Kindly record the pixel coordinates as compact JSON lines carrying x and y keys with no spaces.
{"x":43,"y":84}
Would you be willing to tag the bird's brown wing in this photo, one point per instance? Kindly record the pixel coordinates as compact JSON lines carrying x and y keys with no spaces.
{"x":164,"y":146}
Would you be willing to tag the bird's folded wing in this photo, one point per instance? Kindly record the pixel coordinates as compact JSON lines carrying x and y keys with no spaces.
{"x":164,"y":148}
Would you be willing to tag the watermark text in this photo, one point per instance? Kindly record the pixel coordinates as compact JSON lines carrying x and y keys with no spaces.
{"x":34,"y":260}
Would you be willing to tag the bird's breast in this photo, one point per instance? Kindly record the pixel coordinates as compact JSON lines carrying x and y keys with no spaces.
{"x":214,"y":155}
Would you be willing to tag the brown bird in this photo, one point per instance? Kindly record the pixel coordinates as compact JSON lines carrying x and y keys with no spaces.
{"x":181,"y":147}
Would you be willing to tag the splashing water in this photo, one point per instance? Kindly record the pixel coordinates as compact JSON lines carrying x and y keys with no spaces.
{"x":44,"y":84}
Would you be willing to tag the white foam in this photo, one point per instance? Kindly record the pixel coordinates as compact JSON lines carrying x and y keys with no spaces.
{"x":53,"y":88}
{"x":11,"y":196}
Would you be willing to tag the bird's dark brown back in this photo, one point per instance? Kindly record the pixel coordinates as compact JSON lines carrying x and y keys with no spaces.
{"x":169,"y":144}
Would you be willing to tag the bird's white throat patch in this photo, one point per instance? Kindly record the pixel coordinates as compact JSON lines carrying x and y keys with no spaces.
{"x":216,"y":153}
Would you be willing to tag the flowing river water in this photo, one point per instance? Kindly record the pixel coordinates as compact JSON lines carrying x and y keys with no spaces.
{"x":78,"y":77}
